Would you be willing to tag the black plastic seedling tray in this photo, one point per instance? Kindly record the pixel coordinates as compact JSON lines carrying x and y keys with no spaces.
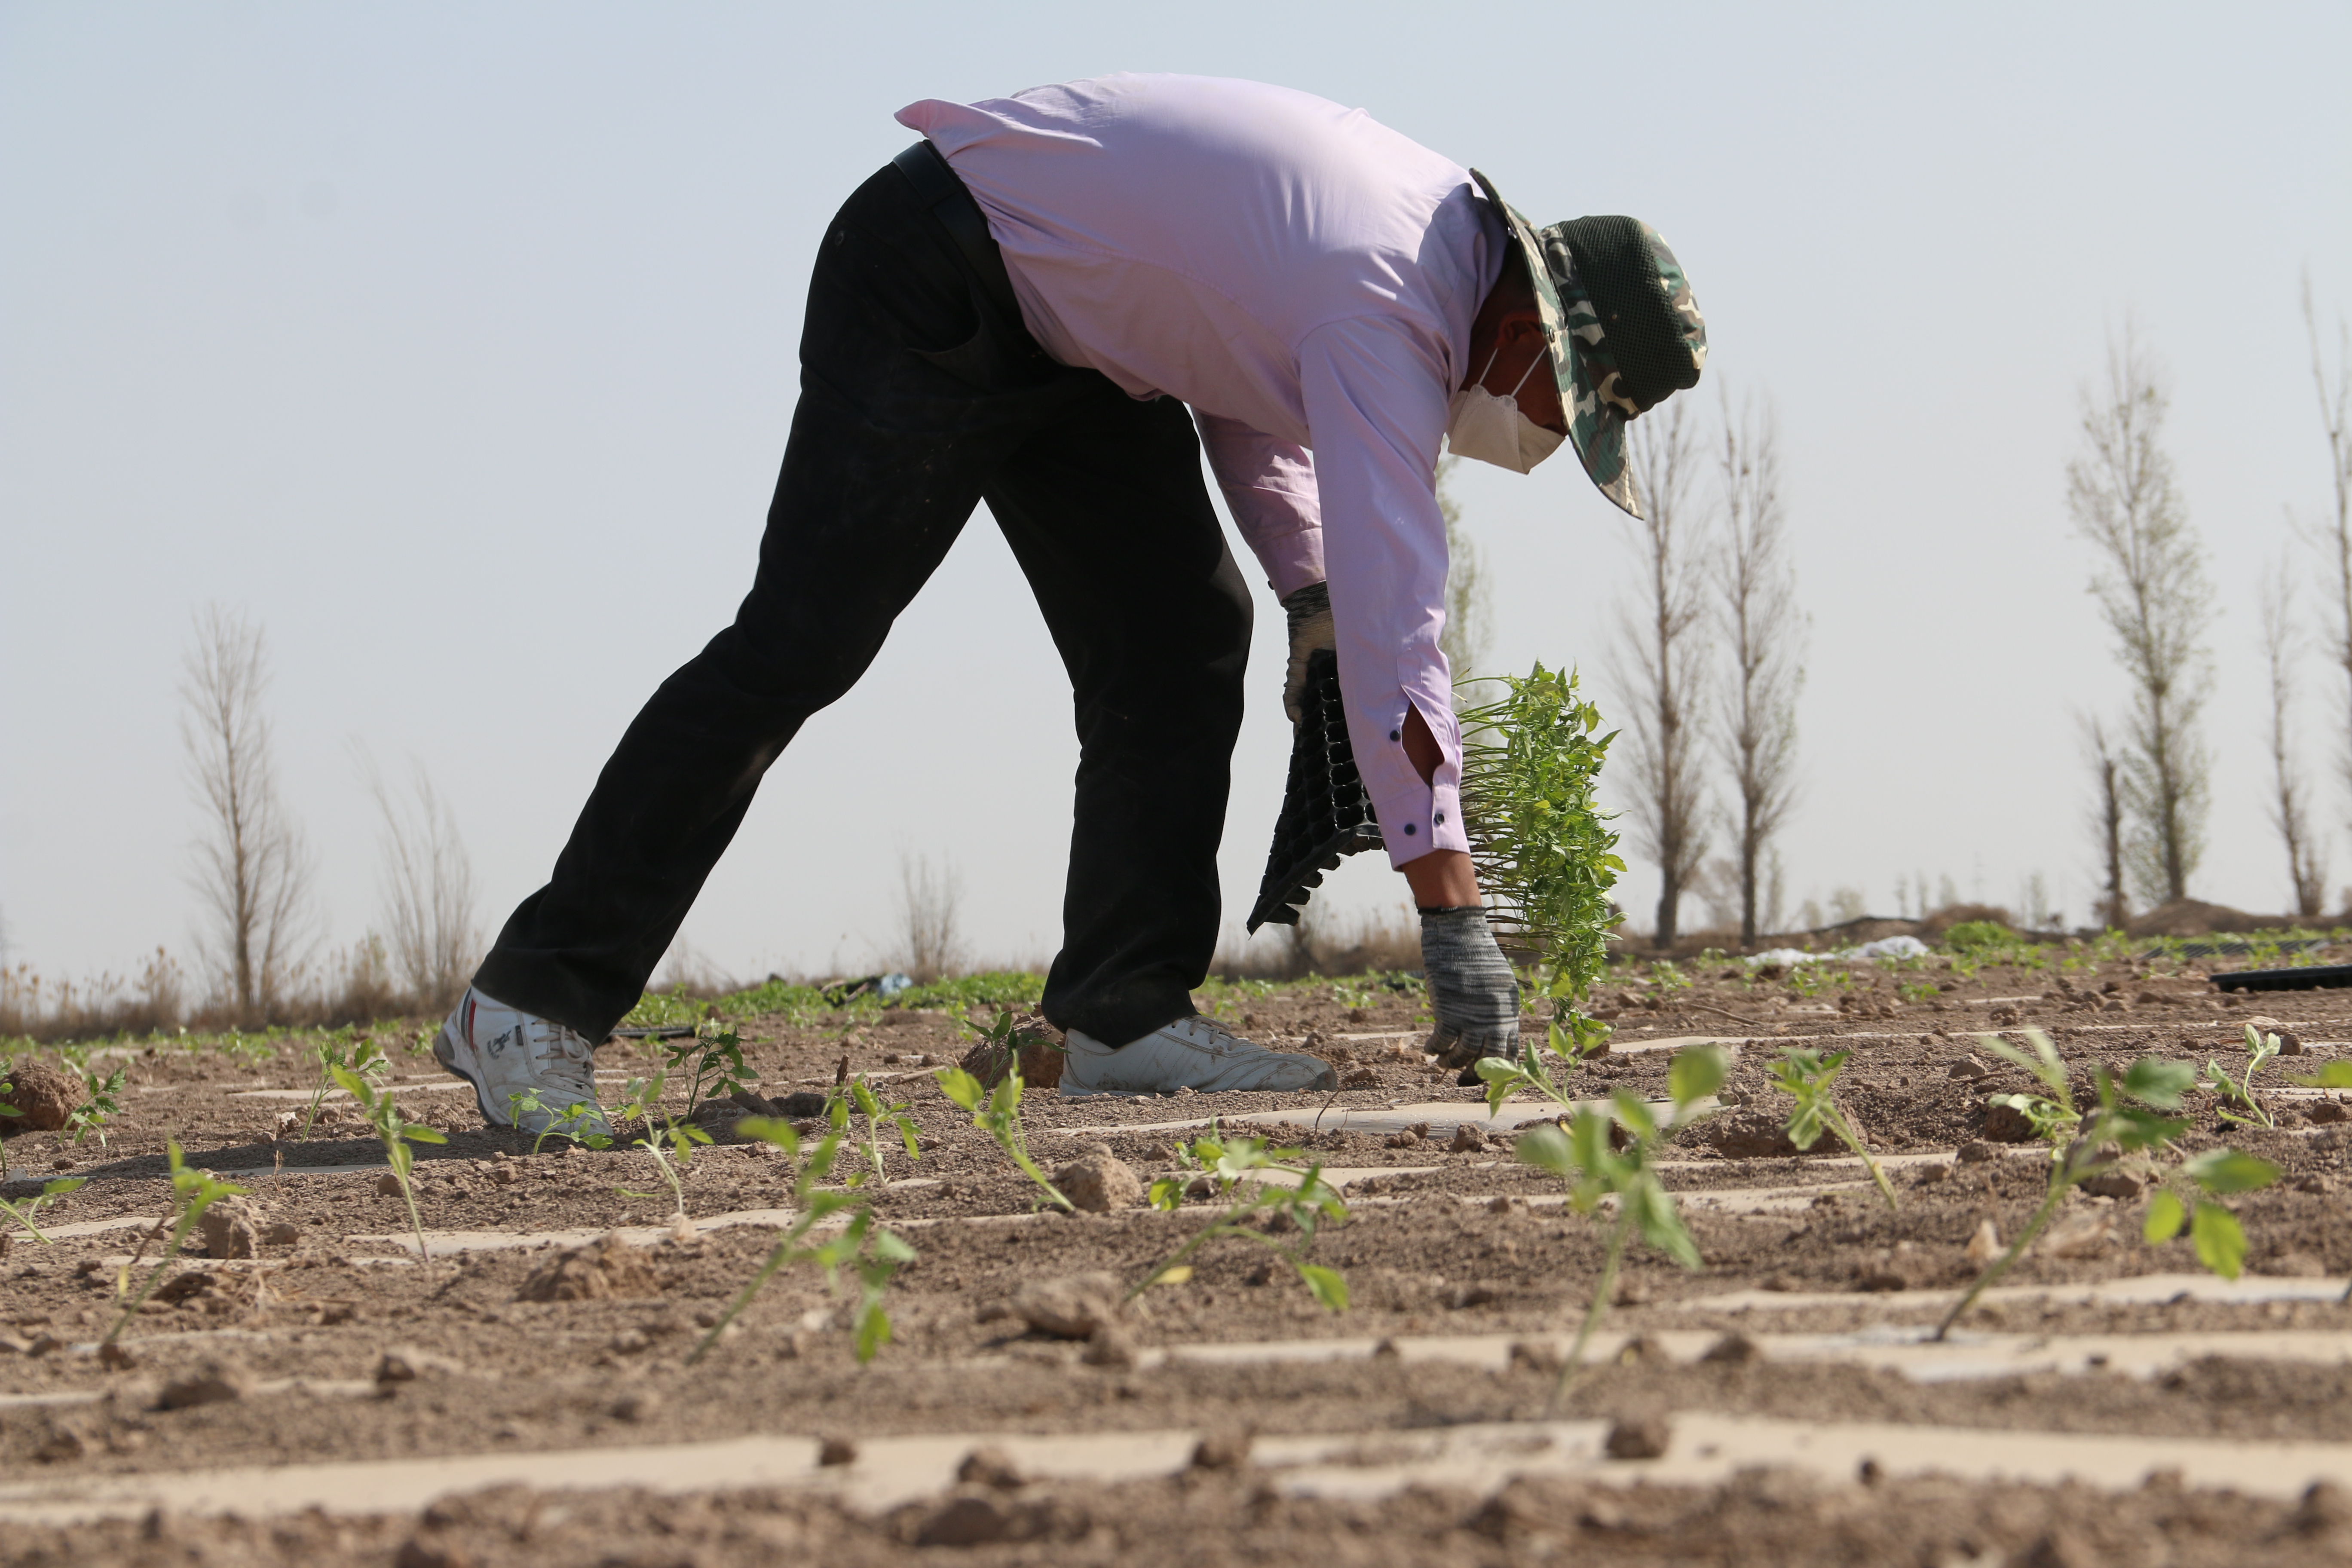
{"x":1325,"y":812}
{"x":2317,"y":977}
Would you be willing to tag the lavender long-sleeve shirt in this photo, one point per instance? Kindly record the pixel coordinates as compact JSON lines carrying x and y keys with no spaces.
{"x":1303,"y":278}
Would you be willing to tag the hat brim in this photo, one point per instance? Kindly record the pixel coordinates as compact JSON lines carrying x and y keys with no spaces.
{"x":1596,"y":427}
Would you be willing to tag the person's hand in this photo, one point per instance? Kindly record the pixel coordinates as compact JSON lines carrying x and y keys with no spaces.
{"x":1471,"y":989}
{"x":1309,"y":612}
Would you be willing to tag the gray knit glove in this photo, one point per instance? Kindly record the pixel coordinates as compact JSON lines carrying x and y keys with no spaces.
{"x":1309,"y":610}
{"x":1470,"y":987}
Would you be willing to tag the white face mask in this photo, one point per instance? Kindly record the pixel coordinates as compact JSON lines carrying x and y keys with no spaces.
{"x":1491,"y":429}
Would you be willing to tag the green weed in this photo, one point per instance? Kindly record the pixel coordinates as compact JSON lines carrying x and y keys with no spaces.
{"x":23,"y":1211}
{"x":1582,"y":1156}
{"x":867,"y":1103}
{"x":100,"y":1103}
{"x":362,"y":1056}
{"x":2127,"y":1130}
{"x":1229,"y":1164}
{"x":998,"y":1114}
{"x":871,"y":1249}
{"x":380,"y":1109}
{"x":193,"y":1192}
{"x":712,"y":1063}
{"x":2249,"y":1111}
{"x":1808,"y":1077}
{"x":673,"y":1140}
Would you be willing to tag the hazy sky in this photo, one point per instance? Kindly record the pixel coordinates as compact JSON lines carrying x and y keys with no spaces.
{"x":457,"y":344}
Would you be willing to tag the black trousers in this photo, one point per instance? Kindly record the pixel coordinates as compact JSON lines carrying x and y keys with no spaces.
{"x":918,"y":401}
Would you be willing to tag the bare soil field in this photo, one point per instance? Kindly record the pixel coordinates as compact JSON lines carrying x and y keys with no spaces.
{"x":523,"y":1394}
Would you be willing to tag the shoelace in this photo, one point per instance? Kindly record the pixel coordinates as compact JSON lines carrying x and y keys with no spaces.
{"x":565,"y":1057}
{"x":1219,"y":1036}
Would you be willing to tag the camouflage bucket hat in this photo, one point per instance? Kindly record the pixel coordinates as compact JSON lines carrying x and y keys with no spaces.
{"x":1611,"y":291}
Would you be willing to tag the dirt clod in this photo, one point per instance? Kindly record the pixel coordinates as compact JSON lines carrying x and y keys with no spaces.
{"x":2007,"y":1124}
{"x":419,"y":1551}
{"x":1977,"y":1152}
{"x":1110,"y":1348}
{"x":211,"y":1381}
{"x":1223,"y":1450}
{"x":831,"y":1451}
{"x":1744,"y":1135}
{"x":1734,"y":1349}
{"x":387,"y":1185}
{"x":1071,"y":1307}
{"x":606,"y":1269}
{"x":1099,"y":1181}
{"x":43,"y":1095}
{"x":232,"y":1227}
{"x":1037,"y":1046}
{"x":991,"y":1468}
{"x":1467,"y":1139}
{"x":1642,"y":1436}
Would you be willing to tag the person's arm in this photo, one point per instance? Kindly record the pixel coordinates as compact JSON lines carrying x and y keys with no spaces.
{"x":1376,"y":403}
{"x":1269,"y":487}
{"x":1375,"y":397}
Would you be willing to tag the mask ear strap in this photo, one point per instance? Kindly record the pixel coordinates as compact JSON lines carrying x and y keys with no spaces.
{"x":1523,"y":380}
{"x":1479,"y":381}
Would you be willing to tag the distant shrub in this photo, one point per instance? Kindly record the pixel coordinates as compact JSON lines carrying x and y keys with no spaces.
{"x":1978,"y":936}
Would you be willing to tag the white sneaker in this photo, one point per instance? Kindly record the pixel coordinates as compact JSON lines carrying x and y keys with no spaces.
{"x":505,"y":1053}
{"x":1191,"y":1053}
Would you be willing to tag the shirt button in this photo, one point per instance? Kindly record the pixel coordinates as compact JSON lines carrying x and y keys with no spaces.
{"x":1439,"y":819}
{"x":1408,"y":830}
{"x":1396,"y":735}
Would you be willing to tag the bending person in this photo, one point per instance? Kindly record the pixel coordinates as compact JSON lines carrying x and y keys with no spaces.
{"x":1053,"y":304}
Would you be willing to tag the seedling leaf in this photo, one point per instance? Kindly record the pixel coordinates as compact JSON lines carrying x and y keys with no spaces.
{"x":1695,"y":1074}
{"x":2166,"y":1215}
{"x":1328,"y":1286}
{"x":2227,"y":1171}
{"x":2220,"y":1240}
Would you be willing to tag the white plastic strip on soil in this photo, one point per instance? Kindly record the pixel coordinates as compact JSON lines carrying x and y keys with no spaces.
{"x":1704,"y":1449}
{"x":1966,"y":1356}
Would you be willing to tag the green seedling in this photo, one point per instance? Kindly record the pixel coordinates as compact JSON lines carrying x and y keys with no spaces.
{"x":100,"y":1102}
{"x":6,"y":1109}
{"x":24,"y":1211}
{"x":1545,"y":855}
{"x":193,"y":1192}
{"x":872,"y":1250}
{"x":1241,"y":1163}
{"x":571,"y":1123}
{"x":2250,"y":1110}
{"x":670,"y":1145}
{"x":1808,"y":1077}
{"x":2128,"y":1129}
{"x":362,"y":1056}
{"x":998,"y":1114}
{"x":869,"y":1105}
{"x":712,"y":1062}
{"x":380,"y":1109}
{"x":1584,"y":1156}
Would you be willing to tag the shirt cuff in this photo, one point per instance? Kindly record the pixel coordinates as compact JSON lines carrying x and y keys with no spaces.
{"x":1419,"y":818}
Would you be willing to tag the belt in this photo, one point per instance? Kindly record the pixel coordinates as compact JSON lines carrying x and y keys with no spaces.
{"x":949,"y":202}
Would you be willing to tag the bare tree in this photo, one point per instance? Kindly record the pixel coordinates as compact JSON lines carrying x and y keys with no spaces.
{"x":2153,"y":595}
{"x":1764,"y":631}
{"x":252,"y":868}
{"x":2106,"y":821}
{"x":1469,"y":634}
{"x":2333,"y":538}
{"x":2290,"y":813}
{"x":1660,"y":663}
{"x":426,"y":882}
{"x":930,"y":901}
